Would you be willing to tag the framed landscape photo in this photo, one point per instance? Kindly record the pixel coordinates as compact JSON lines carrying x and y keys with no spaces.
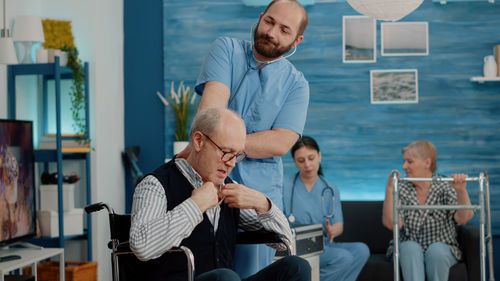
{"x":359,"y":40}
{"x":404,"y":39}
{"x":394,"y":86}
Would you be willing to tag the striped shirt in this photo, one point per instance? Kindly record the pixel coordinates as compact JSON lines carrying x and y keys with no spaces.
{"x":155,"y":230}
{"x":429,"y":226}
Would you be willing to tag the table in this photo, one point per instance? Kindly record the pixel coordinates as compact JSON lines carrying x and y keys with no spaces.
{"x":30,"y":257}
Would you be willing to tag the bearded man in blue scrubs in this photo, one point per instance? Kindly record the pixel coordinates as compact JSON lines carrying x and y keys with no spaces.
{"x":255,"y":79}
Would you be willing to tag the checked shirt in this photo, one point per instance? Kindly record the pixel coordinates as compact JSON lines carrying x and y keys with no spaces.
{"x":429,"y":226}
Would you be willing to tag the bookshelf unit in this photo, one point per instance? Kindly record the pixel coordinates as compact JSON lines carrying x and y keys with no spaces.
{"x":55,"y":72}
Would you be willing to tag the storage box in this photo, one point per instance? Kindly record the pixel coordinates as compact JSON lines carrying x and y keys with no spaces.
{"x":307,"y":240}
{"x":74,"y":271}
{"x":48,"y":197}
{"x":49,"y":224}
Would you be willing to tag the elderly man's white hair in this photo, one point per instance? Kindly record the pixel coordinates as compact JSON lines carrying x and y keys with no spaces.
{"x":206,"y":120}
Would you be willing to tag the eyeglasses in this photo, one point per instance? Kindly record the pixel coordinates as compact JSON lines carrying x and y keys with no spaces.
{"x":228,"y":156}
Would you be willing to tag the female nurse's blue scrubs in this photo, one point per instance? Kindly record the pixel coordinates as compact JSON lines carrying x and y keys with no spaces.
{"x":339,"y":261}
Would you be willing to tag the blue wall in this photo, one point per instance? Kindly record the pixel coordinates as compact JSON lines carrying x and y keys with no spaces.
{"x":143,"y":76}
{"x":361,"y":142}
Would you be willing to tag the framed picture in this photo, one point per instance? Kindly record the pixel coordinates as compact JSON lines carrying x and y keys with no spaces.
{"x":359,"y":39}
{"x":394,"y":86}
{"x":404,"y":39}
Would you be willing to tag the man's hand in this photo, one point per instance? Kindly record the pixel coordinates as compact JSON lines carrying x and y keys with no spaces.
{"x":242,"y":197}
{"x":205,"y":196}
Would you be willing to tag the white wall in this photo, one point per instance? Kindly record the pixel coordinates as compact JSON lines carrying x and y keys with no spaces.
{"x":98,"y":30}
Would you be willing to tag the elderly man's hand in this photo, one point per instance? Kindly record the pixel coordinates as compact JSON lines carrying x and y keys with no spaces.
{"x":205,"y":196}
{"x":242,"y":197}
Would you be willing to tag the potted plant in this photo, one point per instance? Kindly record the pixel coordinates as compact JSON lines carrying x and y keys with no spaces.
{"x":59,"y":38}
{"x":77,"y":92}
{"x":182,"y":102}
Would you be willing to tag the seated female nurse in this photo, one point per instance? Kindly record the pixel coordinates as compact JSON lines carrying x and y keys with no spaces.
{"x":428,"y":244}
{"x":309,"y":199}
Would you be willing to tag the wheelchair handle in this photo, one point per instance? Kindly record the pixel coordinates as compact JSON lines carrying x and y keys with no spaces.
{"x":97,"y":207}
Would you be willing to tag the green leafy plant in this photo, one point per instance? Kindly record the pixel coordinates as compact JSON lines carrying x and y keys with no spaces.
{"x":182,"y":102}
{"x":77,"y":92}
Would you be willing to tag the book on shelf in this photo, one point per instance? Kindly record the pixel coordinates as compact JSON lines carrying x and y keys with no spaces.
{"x":71,"y":143}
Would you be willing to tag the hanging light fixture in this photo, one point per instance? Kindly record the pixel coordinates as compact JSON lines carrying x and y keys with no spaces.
{"x":387,"y":10}
{"x":7,"y":51}
{"x":256,"y":3}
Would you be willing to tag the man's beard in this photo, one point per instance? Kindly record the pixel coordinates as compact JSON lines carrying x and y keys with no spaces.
{"x":270,"y":52}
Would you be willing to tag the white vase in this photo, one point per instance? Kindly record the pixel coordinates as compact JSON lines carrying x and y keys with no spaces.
{"x":63,"y":56}
{"x":179,"y":146}
{"x":490,"y":67}
{"x":42,"y":55}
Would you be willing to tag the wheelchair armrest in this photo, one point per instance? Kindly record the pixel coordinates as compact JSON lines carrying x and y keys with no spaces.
{"x":259,"y":237}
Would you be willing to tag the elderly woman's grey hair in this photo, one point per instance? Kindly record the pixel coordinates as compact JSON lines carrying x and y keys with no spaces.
{"x":423,"y":149}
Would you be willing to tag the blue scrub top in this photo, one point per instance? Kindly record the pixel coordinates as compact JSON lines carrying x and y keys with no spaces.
{"x":307,"y":206}
{"x":277,"y":96}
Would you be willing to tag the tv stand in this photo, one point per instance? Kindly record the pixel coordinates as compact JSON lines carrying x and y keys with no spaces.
{"x":30,"y":257}
{"x":23,"y":244}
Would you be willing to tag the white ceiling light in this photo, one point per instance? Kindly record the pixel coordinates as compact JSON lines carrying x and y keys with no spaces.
{"x":388,"y":10}
{"x":255,"y":3}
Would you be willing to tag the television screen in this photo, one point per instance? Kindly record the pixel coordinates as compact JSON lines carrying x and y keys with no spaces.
{"x":17,"y":188}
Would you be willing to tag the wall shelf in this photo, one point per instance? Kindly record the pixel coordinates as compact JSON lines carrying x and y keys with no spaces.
{"x":482,"y":79}
{"x":55,"y":72}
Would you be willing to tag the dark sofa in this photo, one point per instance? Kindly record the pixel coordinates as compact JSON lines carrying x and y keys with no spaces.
{"x":363,"y":222}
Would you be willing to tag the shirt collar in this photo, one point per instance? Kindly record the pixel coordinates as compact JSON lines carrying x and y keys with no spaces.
{"x":187,"y":170}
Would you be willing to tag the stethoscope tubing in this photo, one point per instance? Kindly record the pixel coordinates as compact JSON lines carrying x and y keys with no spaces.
{"x":249,"y":65}
{"x":326,"y":188}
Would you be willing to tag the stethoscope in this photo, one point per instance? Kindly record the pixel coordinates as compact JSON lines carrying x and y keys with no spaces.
{"x":256,"y":66}
{"x":325,"y":207}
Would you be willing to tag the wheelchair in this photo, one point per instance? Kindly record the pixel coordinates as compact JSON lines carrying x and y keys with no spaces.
{"x":127,"y":267}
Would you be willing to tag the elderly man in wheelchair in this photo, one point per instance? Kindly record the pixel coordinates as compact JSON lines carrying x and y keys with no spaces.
{"x":190,"y":201}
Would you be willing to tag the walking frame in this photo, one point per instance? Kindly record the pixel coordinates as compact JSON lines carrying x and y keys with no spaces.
{"x":484,"y":204}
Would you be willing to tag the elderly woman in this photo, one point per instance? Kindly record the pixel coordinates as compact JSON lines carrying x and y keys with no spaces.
{"x":428,"y":246}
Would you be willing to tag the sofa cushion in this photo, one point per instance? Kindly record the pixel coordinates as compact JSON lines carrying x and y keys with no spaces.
{"x":363,"y":223}
{"x":379,"y":268}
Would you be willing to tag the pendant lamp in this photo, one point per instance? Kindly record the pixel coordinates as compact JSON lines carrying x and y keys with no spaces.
{"x":387,"y":10}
